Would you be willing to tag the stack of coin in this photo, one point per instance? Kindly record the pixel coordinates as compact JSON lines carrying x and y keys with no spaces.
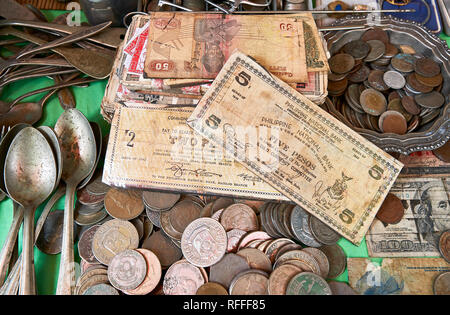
{"x":376,"y":86}
{"x":294,"y":5}
{"x":89,"y":208}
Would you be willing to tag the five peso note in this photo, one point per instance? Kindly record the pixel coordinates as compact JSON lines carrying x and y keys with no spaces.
{"x":197,"y":45}
{"x":427,"y":215}
{"x":152,"y":147}
{"x":295,"y":146}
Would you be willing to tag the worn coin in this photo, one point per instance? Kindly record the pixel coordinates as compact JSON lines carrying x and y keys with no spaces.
{"x":227,"y":268}
{"x":251,"y":236}
{"x":89,"y":219}
{"x":154,"y":217}
{"x":444,"y":245}
{"x":127,"y":270}
{"x":416,"y":85}
{"x":307,"y":283}
{"x":113,"y":237}
{"x":287,"y":248}
{"x":322,"y":232}
{"x":376,"y":33}
{"x":441,"y":285}
{"x":183,"y":213}
{"x":216,"y":215}
{"x":85,"y":245}
{"x":124,"y":204}
{"x":397,"y":106}
{"x":159,"y":200}
{"x":431,"y":81}
{"x":204,"y":242}
{"x":86,"y":198}
{"x":256,"y":259}
{"x":373,"y":102}
{"x":97,"y":187}
{"x":212,"y":288}
{"x":443,"y":152}
{"x":336,"y":77}
{"x":166,"y":226}
{"x":341,"y":63}
{"x":234,"y":236}
{"x":427,"y":67}
{"x":321,"y":259}
{"x":50,"y":238}
{"x":341,"y":288}
{"x":394,"y":80}
{"x":392,"y":121}
{"x":166,"y":251}
{"x":376,"y":80}
{"x":101,"y":289}
{"x":250,"y":282}
{"x":153,"y":274}
{"x":430,"y":100}
{"x":336,"y":258}
{"x":358,"y":49}
{"x":377,"y":50}
{"x":337,"y":86}
{"x":274,"y":246}
{"x":360,"y":75}
{"x":299,"y":224}
{"x":239,"y":216}
{"x":301,"y":259}
{"x":391,"y":51}
{"x":403,"y":62}
{"x":280,"y":277}
{"x":182,"y":278}
{"x":409,"y":104}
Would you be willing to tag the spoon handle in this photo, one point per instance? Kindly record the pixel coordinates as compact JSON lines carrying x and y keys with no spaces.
{"x":27,"y":285}
{"x":12,"y":283}
{"x":8,"y":246}
{"x":66,"y":277}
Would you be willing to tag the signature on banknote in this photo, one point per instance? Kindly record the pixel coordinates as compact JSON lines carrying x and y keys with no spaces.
{"x":179,"y":170}
{"x":330,"y":196}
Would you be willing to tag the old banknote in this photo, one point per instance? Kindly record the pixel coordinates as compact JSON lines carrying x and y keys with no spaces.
{"x":427,"y":215}
{"x":151,"y":146}
{"x":299,"y":149}
{"x":423,"y":164}
{"x":399,"y":276}
{"x":197,"y":45}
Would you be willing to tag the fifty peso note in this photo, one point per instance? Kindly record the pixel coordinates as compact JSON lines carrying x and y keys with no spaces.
{"x":197,"y":45}
{"x":295,"y":146}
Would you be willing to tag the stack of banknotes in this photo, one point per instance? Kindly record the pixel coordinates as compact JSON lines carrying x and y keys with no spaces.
{"x":172,"y":58}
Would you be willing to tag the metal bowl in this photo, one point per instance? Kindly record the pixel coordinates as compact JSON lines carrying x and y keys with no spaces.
{"x":429,"y":136}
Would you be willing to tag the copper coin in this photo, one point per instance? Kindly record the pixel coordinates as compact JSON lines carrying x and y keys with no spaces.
{"x":97,"y":187}
{"x":360,"y":75}
{"x":139,"y":225}
{"x":376,"y":80}
{"x":427,"y":67}
{"x":416,"y":85}
{"x":274,"y":246}
{"x":50,"y":238}
{"x":394,"y":80}
{"x":280,"y":277}
{"x":127,"y":270}
{"x":377,"y":50}
{"x":221,"y":203}
{"x":403,"y":62}
{"x":86,"y":198}
{"x":234,"y":237}
{"x":430,"y":100}
{"x":204,"y":242}
{"x":183,"y":213}
{"x":443,"y":152}
{"x":112,"y":238}
{"x":409,"y":104}
{"x":322,"y":232}
{"x":336,"y":258}
{"x":321,"y":259}
{"x":358,"y":49}
{"x":444,"y":245}
{"x":337,"y":86}
{"x":431,"y":81}
{"x":336,"y":77}
{"x":308,"y":262}
{"x":182,"y":278}
{"x":406,"y":49}
{"x":341,"y":63}
{"x":124,"y":204}
{"x":207,"y":210}
{"x":159,"y":200}
{"x":167,"y":227}
{"x":287,"y":247}
{"x":250,"y":282}
{"x":166,"y":251}
{"x":391,"y":210}
{"x":85,"y":245}
{"x":393,"y":95}
{"x":341,"y":288}
{"x":256,"y":235}
{"x":152,"y":276}
{"x":227,"y":268}
{"x":373,"y":102}
{"x":212,"y":288}
{"x":256,"y":259}
{"x":89,"y":219}
{"x":391,"y":50}
{"x":396,"y":105}
{"x":376,"y":33}
{"x":393,"y":122}
{"x":239,"y":216}
{"x":441,"y":285}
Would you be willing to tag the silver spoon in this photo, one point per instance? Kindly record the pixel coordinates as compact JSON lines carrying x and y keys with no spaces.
{"x":98,"y":141}
{"x":52,"y":139}
{"x":30,"y":176}
{"x":79,"y":154}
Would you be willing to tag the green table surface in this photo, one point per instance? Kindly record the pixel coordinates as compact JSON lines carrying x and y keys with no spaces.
{"x":88,"y":101}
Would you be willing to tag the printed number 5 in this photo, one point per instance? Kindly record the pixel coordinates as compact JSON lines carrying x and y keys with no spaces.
{"x":213,"y":121}
{"x":376,"y":172}
{"x":131,"y":134}
{"x":347,"y":216}
{"x":243,"y":78}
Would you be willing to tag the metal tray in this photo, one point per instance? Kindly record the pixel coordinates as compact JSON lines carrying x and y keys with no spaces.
{"x":429,"y":136}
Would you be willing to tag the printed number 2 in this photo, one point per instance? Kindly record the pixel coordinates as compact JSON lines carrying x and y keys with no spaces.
{"x":131,"y":134}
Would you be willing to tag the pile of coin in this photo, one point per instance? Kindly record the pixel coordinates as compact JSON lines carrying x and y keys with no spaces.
{"x":378,"y":86}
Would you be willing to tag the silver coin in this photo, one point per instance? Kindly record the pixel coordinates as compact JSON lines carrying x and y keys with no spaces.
{"x":322,"y":232}
{"x":299,"y":224}
{"x":154,"y":217}
{"x":101,"y":289}
{"x":127,"y":270}
{"x":394,"y":79}
{"x":97,"y":187}
{"x":377,"y":50}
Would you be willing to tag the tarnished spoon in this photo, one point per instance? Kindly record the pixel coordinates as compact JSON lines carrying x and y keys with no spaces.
{"x":30,"y":177}
{"x":52,"y":139}
{"x":79,"y":154}
{"x":98,"y":142}
{"x":60,"y":62}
